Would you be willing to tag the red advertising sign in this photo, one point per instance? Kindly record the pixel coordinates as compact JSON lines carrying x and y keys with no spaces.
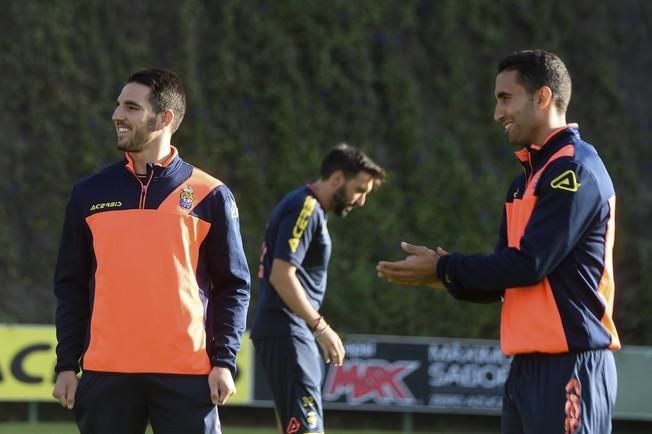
{"x":416,"y":374}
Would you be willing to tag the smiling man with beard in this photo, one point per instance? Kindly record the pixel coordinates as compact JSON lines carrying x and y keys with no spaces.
{"x":152,"y":283}
{"x":287,"y":325}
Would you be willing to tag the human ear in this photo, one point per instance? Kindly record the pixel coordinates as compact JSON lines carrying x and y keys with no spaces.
{"x":338,"y":178}
{"x":544,"y":97}
{"x":167,"y":117}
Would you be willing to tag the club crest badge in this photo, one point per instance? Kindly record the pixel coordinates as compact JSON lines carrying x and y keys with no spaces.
{"x":186,"y":197}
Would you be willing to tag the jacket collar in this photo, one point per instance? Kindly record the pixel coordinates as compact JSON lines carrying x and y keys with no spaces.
{"x":537,"y":155}
{"x":160,"y":169}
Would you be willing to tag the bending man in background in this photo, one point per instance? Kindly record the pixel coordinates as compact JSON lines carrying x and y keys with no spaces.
{"x":293,"y":269}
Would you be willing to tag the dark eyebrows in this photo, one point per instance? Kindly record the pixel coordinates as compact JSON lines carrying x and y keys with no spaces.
{"x":502,"y":94}
{"x":129,"y":103}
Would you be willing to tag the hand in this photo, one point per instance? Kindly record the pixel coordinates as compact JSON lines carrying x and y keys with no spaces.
{"x":419,"y":268}
{"x":332,"y":348}
{"x":65,"y":388}
{"x":221,"y":384}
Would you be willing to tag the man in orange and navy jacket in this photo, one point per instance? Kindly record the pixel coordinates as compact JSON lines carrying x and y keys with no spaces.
{"x":151,"y":280}
{"x":552,"y":266}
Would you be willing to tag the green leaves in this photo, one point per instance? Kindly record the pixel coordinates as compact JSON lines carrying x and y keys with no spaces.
{"x":273,"y":85}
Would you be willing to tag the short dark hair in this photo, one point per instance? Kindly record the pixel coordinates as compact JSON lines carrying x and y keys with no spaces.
{"x":351,"y":161}
{"x":166,"y":92}
{"x":538,"y":68}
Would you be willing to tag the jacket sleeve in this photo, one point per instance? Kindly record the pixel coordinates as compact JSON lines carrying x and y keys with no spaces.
{"x":71,"y":287}
{"x":296,"y":231}
{"x":231,"y":282}
{"x":558,"y":222}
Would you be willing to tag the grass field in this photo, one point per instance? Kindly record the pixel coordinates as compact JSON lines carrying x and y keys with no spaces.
{"x":67,"y":428}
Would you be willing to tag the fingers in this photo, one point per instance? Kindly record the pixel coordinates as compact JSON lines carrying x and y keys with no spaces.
{"x":398,"y":272}
{"x":220,"y":393}
{"x":215,"y":392}
{"x":332,"y":348}
{"x":220,"y":382}
{"x":404,"y":266}
{"x":337,"y":353}
{"x":224,"y":394}
{"x":398,"y":268}
{"x":61,"y":397}
{"x":400,"y":279}
{"x":390,"y":266}
{"x":341,"y":352}
{"x":66,"y":397}
{"x":327,"y":354}
{"x":417,"y":269}
{"x":70,"y":398}
{"x":65,"y":388}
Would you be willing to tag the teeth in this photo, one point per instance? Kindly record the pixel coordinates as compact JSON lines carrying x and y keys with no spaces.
{"x":122,"y":130}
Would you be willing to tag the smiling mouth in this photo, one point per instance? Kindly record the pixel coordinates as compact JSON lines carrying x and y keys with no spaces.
{"x":507,"y":126}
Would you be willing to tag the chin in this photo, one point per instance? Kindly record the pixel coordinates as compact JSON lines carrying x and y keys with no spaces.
{"x":129,"y":147}
{"x":517,"y":143}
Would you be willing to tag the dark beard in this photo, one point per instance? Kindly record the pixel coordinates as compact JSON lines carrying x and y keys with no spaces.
{"x":139,"y":139}
{"x":340,"y":202}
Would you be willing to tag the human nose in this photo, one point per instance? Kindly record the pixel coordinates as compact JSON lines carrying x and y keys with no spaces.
{"x":117,"y":114}
{"x":499,"y":115}
{"x":361,"y":200}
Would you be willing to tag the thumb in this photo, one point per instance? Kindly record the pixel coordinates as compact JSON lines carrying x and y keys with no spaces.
{"x":441,"y":252}
{"x":409,"y":248}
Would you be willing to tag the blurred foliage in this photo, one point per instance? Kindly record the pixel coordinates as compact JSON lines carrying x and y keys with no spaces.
{"x":273,"y":85}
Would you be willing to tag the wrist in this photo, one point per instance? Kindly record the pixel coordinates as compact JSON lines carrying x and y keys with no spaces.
{"x":317,"y":323}
{"x":321,"y":332}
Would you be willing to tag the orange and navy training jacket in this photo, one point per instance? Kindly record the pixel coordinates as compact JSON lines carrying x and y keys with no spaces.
{"x":552,"y":265}
{"x":151,"y":275}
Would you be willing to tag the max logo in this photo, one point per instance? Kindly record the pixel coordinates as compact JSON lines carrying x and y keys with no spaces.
{"x":566,"y":181}
{"x":376,"y":380}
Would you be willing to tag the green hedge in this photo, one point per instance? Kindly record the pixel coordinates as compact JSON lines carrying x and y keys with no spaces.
{"x":273,"y":85}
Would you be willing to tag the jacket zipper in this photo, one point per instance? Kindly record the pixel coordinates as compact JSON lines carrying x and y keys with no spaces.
{"x":143,"y":191}
{"x":143,"y":187}
{"x":529,"y":173}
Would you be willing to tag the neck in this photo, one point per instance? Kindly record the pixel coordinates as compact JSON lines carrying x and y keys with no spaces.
{"x":323,"y":193}
{"x":156,"y":152}
{"x":550,"y":127}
